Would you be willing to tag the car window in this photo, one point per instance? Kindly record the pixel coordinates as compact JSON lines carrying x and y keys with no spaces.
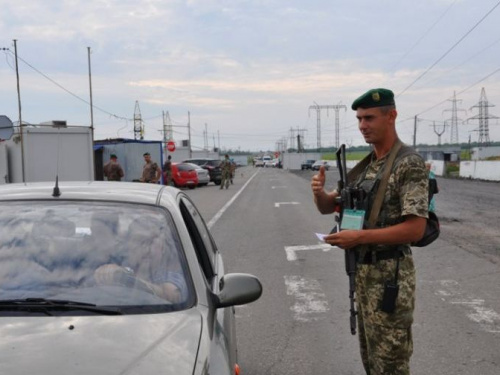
{"x":115,"y":255}
{"x":185,"y":167}
{"x":201,"y":238}
{"x":214,"y":163}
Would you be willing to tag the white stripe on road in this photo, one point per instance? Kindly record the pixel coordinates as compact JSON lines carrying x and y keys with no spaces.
{"x":226,"y":206}
{"x":291,"y":254}
{"x":310,"y":301}
{"x":278,"y":187}
{"x":487,"y":318}
{"x":277,"y":204}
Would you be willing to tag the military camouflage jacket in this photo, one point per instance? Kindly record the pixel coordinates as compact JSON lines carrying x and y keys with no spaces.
{"x":407,"y":188}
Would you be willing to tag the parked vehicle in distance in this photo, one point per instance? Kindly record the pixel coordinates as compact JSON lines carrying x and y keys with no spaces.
{"x":262,"y":161}
{"x":272,"y":163}
{"x":112,"y":278}
{"x":184,"y":175}
{"x":203,"y":175}
{"x":319,"y":163}
{"x":307,"y":164}
{"x":211,"y":165}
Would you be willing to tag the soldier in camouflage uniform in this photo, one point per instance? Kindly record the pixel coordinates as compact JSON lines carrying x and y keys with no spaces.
{"x":382,"y":252}
{"x":225,"y":165}
{"x":151,"y":172}
{"x":113,"y":170}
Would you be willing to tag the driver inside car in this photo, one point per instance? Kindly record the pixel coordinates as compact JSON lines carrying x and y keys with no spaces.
{"x":152,"y":264}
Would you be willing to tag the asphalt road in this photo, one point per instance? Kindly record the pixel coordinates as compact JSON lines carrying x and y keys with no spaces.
{"x":265,"y":224}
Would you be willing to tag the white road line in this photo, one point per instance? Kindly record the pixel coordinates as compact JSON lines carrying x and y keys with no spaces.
{"x":279,"y":187}
{"x":487,"y":318}
{"x":310,"y":301}
{"x":226,"y":206}
{"x":277,"y":204}
{"x":291,"y":254}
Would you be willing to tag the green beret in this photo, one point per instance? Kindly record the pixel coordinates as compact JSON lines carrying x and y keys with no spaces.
{"x":146,"y":154}
{"x":374,"y":98}
{"x":113,"y":156}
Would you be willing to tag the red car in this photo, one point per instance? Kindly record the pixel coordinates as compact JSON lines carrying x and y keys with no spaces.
{"x":184,"y":175}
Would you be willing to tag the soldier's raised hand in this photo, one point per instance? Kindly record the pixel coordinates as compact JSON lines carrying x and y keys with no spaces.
{"x":318,"y":181}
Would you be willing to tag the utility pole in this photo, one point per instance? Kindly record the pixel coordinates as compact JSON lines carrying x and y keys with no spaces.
{"x":439,"y":132}
{"x":205,"y":139}
{"x":189,"y":135}
{"x":454,"y":119}
{"x":19,"y":107}
{"x":91,"y":108}
{"x":90,"y":89}
{"x":415,"y":132}
{"x":483,"y":116}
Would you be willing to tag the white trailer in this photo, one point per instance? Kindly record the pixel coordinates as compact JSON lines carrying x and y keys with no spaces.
{"x":41,"y":152}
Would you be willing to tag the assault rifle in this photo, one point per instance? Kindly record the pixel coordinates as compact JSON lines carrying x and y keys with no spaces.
{"x":349,"y":198}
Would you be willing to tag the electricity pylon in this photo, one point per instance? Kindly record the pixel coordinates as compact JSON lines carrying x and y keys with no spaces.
{"x":454,"y":119}
{"x":482,"y":117}
{"x":318,"y":109}
{"x":138,"y":125}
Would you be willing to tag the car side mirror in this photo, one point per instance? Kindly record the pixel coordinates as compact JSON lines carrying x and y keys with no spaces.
{"x":238,"y":289}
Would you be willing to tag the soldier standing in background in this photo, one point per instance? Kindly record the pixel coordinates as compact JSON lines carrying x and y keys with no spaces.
{"x":232,"y":170}
{"x":151,"y":172}
{"x":385,"y":270}
{"x":167,"y":170}
{"x":113,"y":170}
{"x":225,"y":165}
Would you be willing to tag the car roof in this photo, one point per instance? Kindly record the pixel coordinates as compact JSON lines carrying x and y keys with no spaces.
{"x":129,"y":192}
{"x":203,"y":159}
{"x":193,"y":165}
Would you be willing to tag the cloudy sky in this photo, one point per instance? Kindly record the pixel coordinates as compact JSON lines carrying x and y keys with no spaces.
{"x":248,"y":71}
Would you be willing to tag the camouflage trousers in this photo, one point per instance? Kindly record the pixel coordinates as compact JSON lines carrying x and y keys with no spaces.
{"x":385,"y":339}
{"x":225,"y":179}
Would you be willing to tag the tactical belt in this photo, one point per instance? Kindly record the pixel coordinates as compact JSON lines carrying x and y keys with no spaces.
{"x":398,"y":252}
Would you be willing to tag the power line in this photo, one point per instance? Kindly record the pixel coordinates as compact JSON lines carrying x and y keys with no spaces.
{"x":424,"y":35}
{"x":68,"y":91}
{"x":461,"y":92}
{"x":449,"y":50}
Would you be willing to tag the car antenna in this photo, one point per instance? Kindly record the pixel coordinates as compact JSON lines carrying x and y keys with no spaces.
{"x":56,"y":192}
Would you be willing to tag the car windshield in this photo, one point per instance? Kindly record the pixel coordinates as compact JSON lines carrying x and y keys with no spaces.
{"x":125,"y":256}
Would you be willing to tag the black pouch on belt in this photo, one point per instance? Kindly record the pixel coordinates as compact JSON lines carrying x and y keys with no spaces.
{"x":391,"y":290}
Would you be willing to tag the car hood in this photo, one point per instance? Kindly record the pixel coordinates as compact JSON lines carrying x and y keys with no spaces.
{"x":127,"y":344}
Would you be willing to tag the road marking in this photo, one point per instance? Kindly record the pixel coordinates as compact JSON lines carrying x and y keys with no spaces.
{"x":291,"y":254}
{"x":487,"y":318}
{"x":277,"y":204}
{"x":310,"y":301}
{"x":279,"y":187}
{"x":226,"y":206}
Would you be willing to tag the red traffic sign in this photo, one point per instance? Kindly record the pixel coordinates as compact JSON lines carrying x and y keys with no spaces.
{"x":171,"y":146}
{"x":276,"y":154}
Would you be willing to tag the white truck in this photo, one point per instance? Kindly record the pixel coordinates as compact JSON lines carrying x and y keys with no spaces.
{"x":42,"y":152}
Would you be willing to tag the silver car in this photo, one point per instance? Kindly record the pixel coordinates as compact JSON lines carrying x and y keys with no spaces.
{"x":113,"y":278}
{"x":203,"y":174}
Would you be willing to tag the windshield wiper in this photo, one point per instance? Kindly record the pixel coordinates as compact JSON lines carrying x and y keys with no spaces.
{"x":44,"y":303}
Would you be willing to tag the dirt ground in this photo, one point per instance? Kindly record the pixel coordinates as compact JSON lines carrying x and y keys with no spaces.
{"x":468,"y":210}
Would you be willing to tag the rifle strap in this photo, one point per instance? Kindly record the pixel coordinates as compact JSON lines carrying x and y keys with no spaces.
{"x":358,"y":168}
{"x":379,"y":198}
